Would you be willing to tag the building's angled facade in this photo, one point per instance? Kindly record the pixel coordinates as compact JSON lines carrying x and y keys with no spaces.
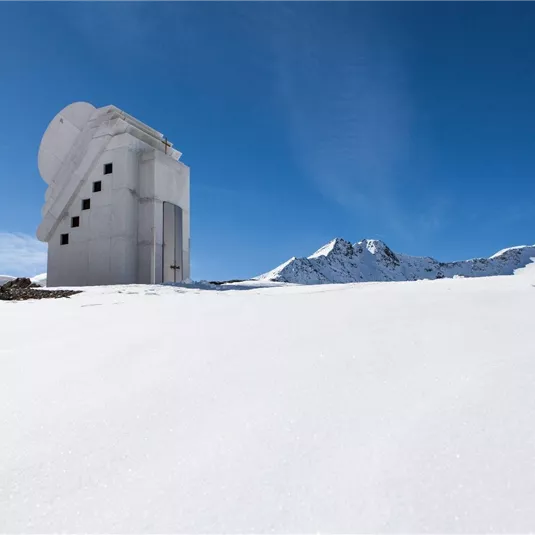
{"x":117,"y":207}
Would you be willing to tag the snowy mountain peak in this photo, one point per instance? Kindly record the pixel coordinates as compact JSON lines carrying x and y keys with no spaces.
{"x":510,"y":251}
{"x":334,"y":247}
{"x":372,"y":245}
{"x":372,"y":260}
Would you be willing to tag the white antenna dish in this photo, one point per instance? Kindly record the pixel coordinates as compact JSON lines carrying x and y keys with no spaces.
{"x":60,"y":137}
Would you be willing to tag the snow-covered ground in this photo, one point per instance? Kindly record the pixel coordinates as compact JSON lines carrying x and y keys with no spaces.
{"x":374,"y":407}
{"x":40,"y":279}
{"x":5,"y":278}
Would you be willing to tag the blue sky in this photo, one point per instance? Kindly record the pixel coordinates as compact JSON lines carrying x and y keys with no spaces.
{"x":409,"y":122}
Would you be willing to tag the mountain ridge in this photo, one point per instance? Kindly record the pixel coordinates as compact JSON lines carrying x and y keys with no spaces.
{"x":371,"y":260}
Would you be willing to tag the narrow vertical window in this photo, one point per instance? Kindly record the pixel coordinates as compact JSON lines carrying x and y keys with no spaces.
{"x":86,"y":204}
{"x":108,"y":168}
{"x":75,"y":221}
{"x":64,"y":239}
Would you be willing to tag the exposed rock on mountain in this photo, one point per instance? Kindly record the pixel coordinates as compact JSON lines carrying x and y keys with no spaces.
{"x":372,"y":260}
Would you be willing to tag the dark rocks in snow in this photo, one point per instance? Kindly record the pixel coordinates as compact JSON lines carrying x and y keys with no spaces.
{"x":232,"y":281}
{"x":391,"y":256}
{"x":22,"y":289}
{"x":19,"y":284}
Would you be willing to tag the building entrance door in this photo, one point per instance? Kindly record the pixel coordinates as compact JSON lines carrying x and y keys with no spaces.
{"x":172,"y":243}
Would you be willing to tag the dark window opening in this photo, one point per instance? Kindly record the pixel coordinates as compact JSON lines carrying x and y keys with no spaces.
{"x":108,"y":168}
{"x":97,"y":186}
{"x":86,"y":204}
{"x":64,"y":239}
{"x":75,"y":221}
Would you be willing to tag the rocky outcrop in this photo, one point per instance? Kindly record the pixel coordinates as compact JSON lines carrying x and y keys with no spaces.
{"x":22,"y":288}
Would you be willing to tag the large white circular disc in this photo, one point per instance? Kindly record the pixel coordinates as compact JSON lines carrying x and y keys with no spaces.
{"x":60,"y":136}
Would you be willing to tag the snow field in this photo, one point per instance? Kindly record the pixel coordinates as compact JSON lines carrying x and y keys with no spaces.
{"x":376,"y":407}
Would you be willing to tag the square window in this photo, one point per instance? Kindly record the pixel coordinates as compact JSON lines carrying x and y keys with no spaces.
{"x":86,"y":204}
{"x":64,"y":239}
{"x":97,"y":186}
{"x":108,"y":168}
{"x":75,"y":221}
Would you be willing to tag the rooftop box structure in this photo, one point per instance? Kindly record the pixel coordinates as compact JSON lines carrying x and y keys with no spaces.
{"x":117,"y":207}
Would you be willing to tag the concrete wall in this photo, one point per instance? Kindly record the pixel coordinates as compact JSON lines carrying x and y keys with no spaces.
{"x":114,"y":242}
{"x":172,"y":185}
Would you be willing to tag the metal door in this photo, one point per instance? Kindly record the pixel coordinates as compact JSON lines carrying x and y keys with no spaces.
{"x":172,"y":243}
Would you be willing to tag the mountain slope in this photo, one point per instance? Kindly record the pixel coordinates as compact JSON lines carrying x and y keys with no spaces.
{"x":372,"y":260}
{"x":362,"y":408}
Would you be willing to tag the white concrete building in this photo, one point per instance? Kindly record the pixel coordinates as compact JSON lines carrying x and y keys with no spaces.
{"x":117,"y":207}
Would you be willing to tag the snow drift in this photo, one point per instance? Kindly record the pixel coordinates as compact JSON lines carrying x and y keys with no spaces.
{"x":5,"y":278}
{"x":372,"y":260}
{"x":400,"y":407}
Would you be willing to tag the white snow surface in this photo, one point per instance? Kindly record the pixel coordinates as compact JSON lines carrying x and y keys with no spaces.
{"x":507,"y":250}
{"x":372,"y":260}
{"x":400,"y":407}
{"x":5,"y":278}
{"x":40,"y":279}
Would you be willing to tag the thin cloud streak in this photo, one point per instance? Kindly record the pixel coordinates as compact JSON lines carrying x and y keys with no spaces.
{"x":21,"y":254}
{"x":351,"y":142}
{"x":132,"y":26}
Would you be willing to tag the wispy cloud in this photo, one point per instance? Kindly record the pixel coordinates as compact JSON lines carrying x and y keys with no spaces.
{"x":351,"y":135}
{"x":21,"y":254}
{"x":136,"y":28}
{"x":341,"y":83}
